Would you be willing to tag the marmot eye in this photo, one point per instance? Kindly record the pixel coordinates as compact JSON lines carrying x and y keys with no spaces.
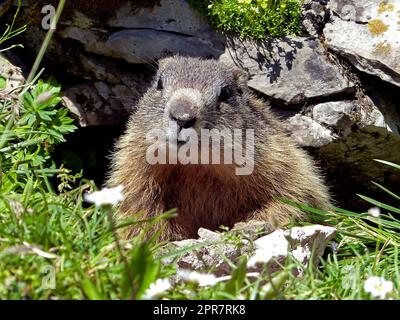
{"x":160,"y":85}
{"x":225,"y":94}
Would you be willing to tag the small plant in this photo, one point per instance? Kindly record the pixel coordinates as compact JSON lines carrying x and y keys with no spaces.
{"x":29,"y":132}
{"x":70,"y":249}
{"x":11,"y":32}
{"x":256,"y":19}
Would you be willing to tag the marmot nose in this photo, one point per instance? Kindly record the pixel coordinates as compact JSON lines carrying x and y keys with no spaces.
{"x":184,"y":114}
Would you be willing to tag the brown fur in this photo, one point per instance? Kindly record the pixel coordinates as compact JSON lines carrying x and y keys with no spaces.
{"x":212,"y":195}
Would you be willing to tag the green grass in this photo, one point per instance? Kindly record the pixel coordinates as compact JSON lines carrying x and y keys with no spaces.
{"x":53,"y":245}
{"x":255,"y":19}
{"x":84,"y":261}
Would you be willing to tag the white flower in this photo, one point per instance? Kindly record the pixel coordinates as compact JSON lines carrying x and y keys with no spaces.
{"x":334,"y":246}
{"x":157,"y":288}
{"x":44,"y":97}
{"x":378,"y":287}
{"x":201,"y":278}
{"x":110,"y":196}
{"x":375,"y":212}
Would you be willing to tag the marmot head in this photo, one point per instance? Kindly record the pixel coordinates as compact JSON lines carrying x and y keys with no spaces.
{"x":202,"y":112}
{"x":197,"y":94}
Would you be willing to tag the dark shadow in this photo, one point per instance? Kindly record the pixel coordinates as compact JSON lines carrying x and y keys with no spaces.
{"x":315,"y":13}
{"x":89,"y":150}
{"x":272,"y":54}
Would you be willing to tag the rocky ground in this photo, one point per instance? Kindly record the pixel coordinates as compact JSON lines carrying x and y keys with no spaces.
{"x":304,"y":244}
{"x":336,"y":85}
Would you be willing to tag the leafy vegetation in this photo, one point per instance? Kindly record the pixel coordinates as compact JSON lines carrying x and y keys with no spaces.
{"x":256,"y":19}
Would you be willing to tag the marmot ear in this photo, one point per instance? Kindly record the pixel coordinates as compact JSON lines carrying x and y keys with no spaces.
{"x":241,"y":77}
{"x":163,"y":61}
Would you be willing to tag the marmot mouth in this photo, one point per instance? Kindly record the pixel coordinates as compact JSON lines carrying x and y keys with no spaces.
{"x":180,"y":143}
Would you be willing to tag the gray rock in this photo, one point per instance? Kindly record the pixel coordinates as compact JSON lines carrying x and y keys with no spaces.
{"x":103,"y":90}
{"x":300,"y":241}
{"x":291,"y":69}
{"x":99,"y":103}
{"x":384,"y":109}
{"x":82,"y":21}
{"x":370,"y":115}
{"x":307,"y":132}
{"x":83,"y":101}
{"x":88,"y":105}
{"x":308,"y":25}
{"x":118,"y":87}
{"x":322,"y":124}
{"x":125,"y":95}
{"x":93,"y":68}
{"x":348,"y":161}
{"x":314,"y":14}
{"x":148,"y":33}
{"x":334,"y":114}
{"x":176,"y":16}
{"x":378,"y":43}
{"x":209,"y":255}
{"x":359,"y":11}
{"x":76,"y":110}
{"x":142,"y":46}
{"x":208,"y":235}
{"x":349,"y":165}
{"x":252,"y":230}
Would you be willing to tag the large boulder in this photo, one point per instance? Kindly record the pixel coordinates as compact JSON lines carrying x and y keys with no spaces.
{"x":291,"y":70}
{"x":140,"y":46}
{"x":346,"y":137}
{"x":145,"y":34}
{"x":167,"y":15}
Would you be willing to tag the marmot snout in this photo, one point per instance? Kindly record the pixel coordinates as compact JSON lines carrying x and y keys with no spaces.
{"x":191,"y":97}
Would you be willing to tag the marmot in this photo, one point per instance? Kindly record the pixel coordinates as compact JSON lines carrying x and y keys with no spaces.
{"x":195,"y":94}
